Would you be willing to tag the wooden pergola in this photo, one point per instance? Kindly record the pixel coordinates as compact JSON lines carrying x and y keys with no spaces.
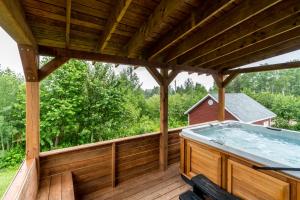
{"x":166,"y":37}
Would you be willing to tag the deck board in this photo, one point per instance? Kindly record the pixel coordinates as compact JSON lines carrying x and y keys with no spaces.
{"x":154,"y":185}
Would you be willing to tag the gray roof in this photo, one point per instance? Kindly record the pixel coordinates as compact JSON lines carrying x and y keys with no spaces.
{"x":243,"y":107}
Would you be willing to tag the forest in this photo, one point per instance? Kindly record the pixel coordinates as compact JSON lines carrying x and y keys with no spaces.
{"x":84,"y":103}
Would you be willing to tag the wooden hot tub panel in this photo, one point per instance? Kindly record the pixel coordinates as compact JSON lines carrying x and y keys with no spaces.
{"x":251,"y":184}
{"x":234,"y":174}
{"x":201,"y":160}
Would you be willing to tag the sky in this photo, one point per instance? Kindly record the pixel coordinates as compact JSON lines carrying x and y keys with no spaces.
{"x":9,"y":58}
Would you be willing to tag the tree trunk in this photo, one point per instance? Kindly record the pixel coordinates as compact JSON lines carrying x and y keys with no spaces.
{"x":2,"y":141}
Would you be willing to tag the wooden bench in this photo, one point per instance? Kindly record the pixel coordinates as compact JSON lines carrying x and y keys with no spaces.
{"x":58,"y":187}
{"x":202,"y":186}
{"x":189,"y":195}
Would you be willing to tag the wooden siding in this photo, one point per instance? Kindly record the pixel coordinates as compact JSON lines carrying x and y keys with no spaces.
{"x":206,"y":113}
{"x":261,"y":122}
{"x":105,"y":164}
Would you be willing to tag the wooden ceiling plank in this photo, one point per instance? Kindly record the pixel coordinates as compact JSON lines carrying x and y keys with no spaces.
{"x":53,"y":16}
{"x":112,"y":23}
{"x":283,"y":47}
{"x":235,"y":16}
{"x":160,"y":15}
{"x":12,"y":20}
{"x":51,"y":66}
{"x":261,"y":68}
{"x":266,"y":37}
{"x":256,"y":28}
{"x":68,"y":22}
{"x":264,"y":44}
{"x":198,"y":18}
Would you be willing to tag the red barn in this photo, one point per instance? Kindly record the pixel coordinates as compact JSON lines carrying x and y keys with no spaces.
{"x":238,"y":106}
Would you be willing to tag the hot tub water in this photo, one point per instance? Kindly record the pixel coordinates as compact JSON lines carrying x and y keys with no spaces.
{"x":279,"y":146}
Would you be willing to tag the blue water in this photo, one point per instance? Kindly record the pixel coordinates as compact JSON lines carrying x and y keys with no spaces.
{"x":279,"y":146}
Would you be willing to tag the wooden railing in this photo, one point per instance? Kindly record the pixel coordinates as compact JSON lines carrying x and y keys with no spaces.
{"x":104,"y":164}
{"x":25,"y":184}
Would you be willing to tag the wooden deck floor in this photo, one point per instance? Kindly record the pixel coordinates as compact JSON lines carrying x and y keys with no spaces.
{"x":156,"y":185}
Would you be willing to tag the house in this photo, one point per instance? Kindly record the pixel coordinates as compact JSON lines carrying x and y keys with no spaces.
{"x":238,"y":106}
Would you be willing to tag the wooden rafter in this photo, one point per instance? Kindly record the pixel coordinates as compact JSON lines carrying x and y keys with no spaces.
{"x":51,"y":66}
{"x":197,"y":18}
{"x":243,"y":11}
{"x":49,"y":51}
{"x":282,"y":31}
{"x":272,"y":21}
{"x":261,"y":68}
{"x":68,"y":22}
{"x":160,"y":14}
{"x":282,"y":47}
{"x":12,"y":20}
{"x":114,"y":19}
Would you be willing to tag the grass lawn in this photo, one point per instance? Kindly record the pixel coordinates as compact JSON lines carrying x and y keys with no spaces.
{"x":6,"y":175}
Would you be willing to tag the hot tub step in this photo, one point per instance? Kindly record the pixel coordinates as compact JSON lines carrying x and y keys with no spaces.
{"x":203,"y":186}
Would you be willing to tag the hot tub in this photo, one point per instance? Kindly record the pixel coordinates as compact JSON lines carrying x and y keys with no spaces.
{"x":231,"y":152}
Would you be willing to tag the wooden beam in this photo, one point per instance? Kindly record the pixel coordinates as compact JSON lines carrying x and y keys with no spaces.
{"x":32,"y":120}
{"x":282,"y":47}
{"x":172,"y":75}
{"x":51,"y":66}
{"x":261,"y":68}
{"x":163,"y":152}
{"x":30,"y":62}
{"x":274,"y":20}
{"x":12,"y":20}
{"x":154,"y":24}
{"x":235,"y":16}
{"x":199,"y":17}
{"x":83,"y":55}
{"x":156,"y":75}
{"x":218,"y":80}
{"x":275,"y":33}
{"x":68,"y":22}
{"x":115,"y":17}
{"x":229,"y":78}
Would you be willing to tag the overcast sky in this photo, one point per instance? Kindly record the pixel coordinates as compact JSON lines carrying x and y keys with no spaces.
{"x":9,"y":57}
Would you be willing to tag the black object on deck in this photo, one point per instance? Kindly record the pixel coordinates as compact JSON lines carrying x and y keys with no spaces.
{"x":206,"y":188}
{"x":189,"y":195}
{"x":277,"y":168}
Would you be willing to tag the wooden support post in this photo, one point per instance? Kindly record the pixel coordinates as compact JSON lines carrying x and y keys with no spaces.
{"x":221,"y":112}
{"x":30,"y":61}
{"x":32,"y":120}
{"x":163,"y":78}
{"x":163,"y":157}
